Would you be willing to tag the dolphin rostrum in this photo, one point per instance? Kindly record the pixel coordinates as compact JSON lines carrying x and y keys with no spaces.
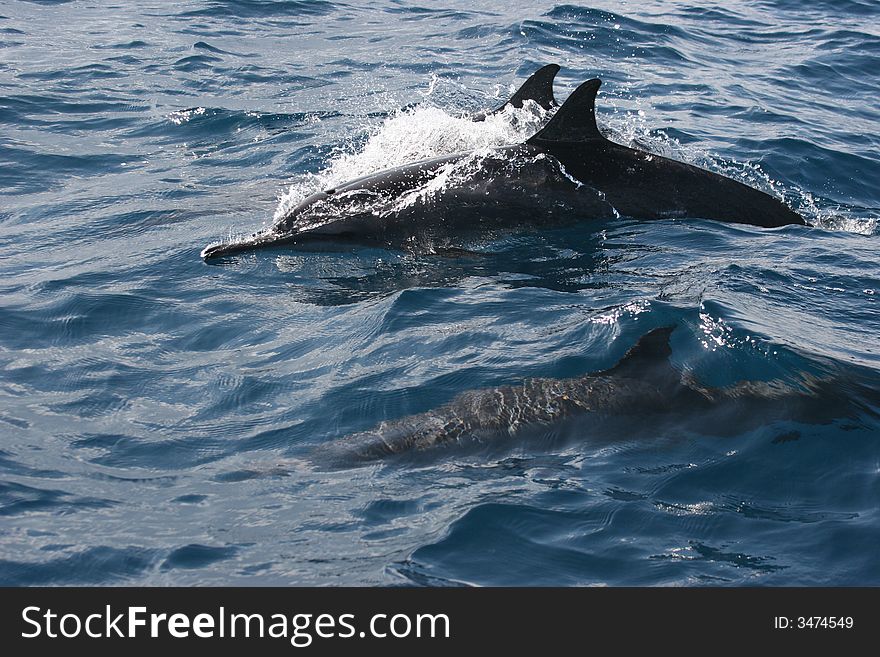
{"x":567,"y":171}
{"x":642,"y":387}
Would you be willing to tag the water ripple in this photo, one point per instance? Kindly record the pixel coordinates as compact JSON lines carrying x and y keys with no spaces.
{"x":158,"y":414}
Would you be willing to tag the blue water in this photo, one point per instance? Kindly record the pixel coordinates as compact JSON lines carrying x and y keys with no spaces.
{"x":157,"y":412}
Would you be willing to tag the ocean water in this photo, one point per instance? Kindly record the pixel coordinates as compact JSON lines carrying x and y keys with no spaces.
{"x":157,"y":413}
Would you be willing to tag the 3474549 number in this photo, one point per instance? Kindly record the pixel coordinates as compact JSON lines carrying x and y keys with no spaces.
{"x":814,"y":622}
{"x":825,"y":622}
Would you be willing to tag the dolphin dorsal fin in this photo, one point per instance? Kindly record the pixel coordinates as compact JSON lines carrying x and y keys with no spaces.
{"x":538,"y":87}
{"x":648,"y":358}
{"x":575,"y":120}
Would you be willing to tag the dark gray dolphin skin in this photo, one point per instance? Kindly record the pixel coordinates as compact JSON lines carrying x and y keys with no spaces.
{"x":644,"y":185}
{"x":567,"y":171}
{"x":643,"y":387}
{"x":538,"y":88}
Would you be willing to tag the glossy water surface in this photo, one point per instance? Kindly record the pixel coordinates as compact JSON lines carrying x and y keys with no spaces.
{"x":157,"y":413}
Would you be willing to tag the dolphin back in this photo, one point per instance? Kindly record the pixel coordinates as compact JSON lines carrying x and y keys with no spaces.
{"x":643,"y":185}
{"x":643,"y":381}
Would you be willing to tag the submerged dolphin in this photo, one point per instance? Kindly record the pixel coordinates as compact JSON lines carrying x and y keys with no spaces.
{"x":568,"y":171}
{"x":642,"y":387}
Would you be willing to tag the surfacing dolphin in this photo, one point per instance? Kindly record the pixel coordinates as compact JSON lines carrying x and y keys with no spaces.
{"x":537,"y":88}
{"x":643,"y":387}
{"x":568,"y":171}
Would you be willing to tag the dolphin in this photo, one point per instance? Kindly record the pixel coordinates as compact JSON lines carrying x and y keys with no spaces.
{"x":537,"y":88}
{"x":642,"y":387}
{"x":568,"y":171}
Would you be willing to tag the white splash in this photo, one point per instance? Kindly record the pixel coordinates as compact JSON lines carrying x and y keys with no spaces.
{"x":415,"y":134}
{"x":183,"y":116}
{"x":836,"y":217}
{"x":426,"y":131}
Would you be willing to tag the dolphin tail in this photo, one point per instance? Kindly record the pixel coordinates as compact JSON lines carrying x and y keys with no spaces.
{"x":575,"y":120}
{"x":538,"y":87}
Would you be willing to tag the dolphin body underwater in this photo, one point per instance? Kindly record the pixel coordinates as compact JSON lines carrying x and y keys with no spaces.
{"x":568,"y":171}
{"x":643,"y":388}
